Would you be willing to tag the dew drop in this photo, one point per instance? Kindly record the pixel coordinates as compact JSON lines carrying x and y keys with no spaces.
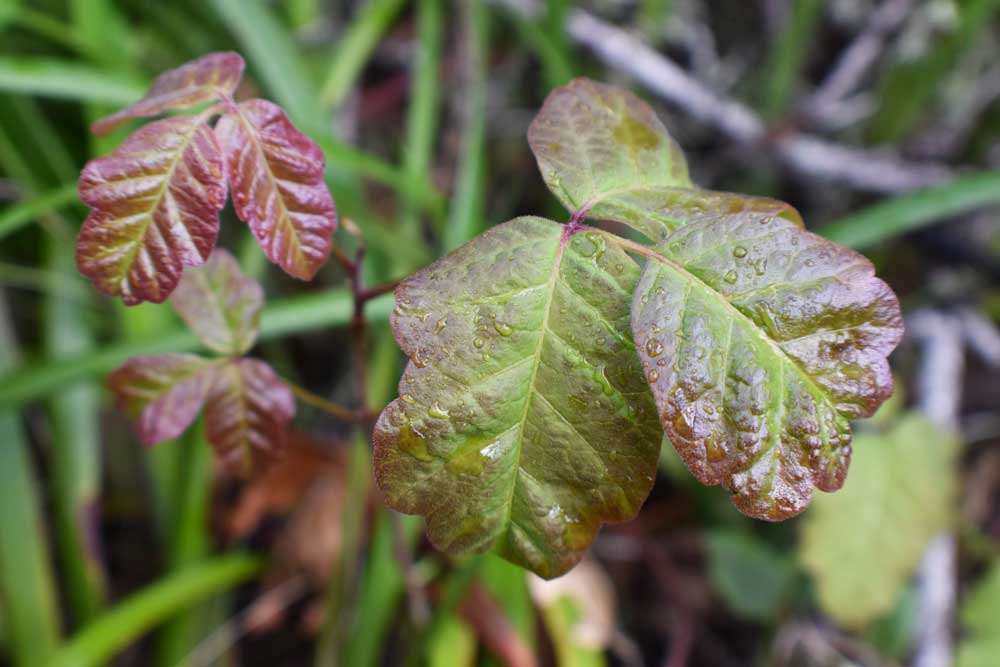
{"x":654,"y":347}
{"x":653,"y":375}
{"x":478,"y":343}
{"x":437,"y":412}
{"x":441,"y":324}
{"x":739,"y":251}
{"x":503,"y":328}
{"x":730,"y":277}
{"x":759,"y":266}
{"x":407,"y":398}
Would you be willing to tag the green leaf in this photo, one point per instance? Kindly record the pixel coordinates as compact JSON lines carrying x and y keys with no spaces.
{"x":761,"y":341}
{"x":862,"y":544}
{"x":981,"y":645}
{"x":163,"y":393}
{"x":276,"y":174}
{"x":206,"y":79}
{"x":603,"y":149}
{"x":751,"y":577}
{"x":523,"y":422}
{"x":220,"y":304}
{"x":156,"y":202}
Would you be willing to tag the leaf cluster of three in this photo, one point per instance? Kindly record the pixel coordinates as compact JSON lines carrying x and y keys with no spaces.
{"x":247,"y":406}
{"x":546,"y":363}
{"x":156,"y":199}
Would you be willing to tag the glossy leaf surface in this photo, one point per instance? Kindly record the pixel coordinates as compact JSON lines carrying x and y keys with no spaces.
{"x":156,"y":202}
{"x":276,"y":175}
{"x":760,"y":342}
{"x":864,"y":543}
{"x":203,"y":80}
{"x":603,"y":147}
{"x":246,"y":413}
{"x":162,"y":393}
{"x":523,"y":421}
{"x":220,"y":304}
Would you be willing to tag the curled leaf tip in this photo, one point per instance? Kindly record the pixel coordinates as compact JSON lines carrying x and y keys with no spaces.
{"x":211,"y":77}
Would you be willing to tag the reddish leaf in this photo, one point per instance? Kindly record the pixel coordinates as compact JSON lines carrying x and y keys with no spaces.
{"x":276,"y":173}
{"x":280,"y":488}
{"x":156,"y":201}
{"x":162,"y":392}
{"x":208,"y":78}
{"x":220,"y":304}
{"x":246,"y":413}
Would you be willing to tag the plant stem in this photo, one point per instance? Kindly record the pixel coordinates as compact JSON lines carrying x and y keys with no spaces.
{"x":315,"y":400}
{"x":127,"y":621}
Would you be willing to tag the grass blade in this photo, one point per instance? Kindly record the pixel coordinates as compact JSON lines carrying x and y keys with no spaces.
{"x":27,"y":590}
{"x":422,"y":113}
{"x":47,"y":77}
{"x":18,"y":215}
{"x":75,"y":455}
{"x":466,"y":219}
{"x":905,"y":213}
{"x":283,"y":317}
{"x":354,"y":47}
{"x":127,"y":621}
{"x":789,"y":56}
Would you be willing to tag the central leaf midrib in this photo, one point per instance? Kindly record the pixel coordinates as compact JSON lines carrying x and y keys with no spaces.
{"x":758,"y":331}
{"x":150,"y":213}
{"x":286,"y":218}
{"x":536,"y":363}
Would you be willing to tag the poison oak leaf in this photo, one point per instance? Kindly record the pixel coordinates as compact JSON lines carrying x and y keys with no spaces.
{"x":220,"y":304}
{"x":162,"y":393}
{"x":760,"y":342}
{"x":863,"y":544}
{"x":208,"y":78}
{"x":523,"y":421}
{"x":276,"y":176}
{"x":246,"y":413}
{"x":156,"y":202}
{"x":603,"y":149}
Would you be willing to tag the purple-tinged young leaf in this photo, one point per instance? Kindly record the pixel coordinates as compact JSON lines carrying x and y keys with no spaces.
{"x":276,"y":175}
{"x":523,"y":421}
{"x":156,"y":202}
{"x":603,"y":148}
{"x":162,"y":393}
{"x":761,"y":341}
{"x":208,"y":78}
{"x":220,"y":304}
{"x":246,"y":413}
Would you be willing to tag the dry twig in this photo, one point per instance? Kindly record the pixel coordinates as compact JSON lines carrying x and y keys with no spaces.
{"x":863,"y":169}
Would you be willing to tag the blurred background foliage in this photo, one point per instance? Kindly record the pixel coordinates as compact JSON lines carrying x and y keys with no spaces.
{"x":878,"y":119}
